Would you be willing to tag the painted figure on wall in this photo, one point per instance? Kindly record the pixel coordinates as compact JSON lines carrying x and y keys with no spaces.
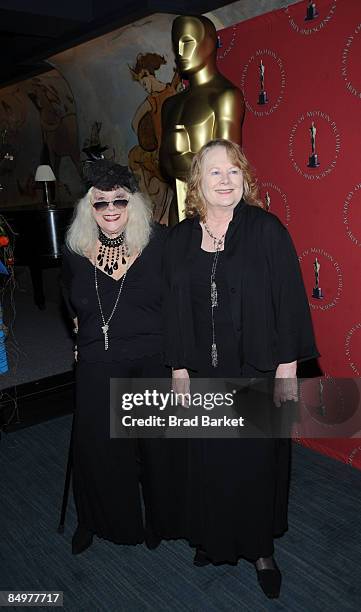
{"x":143,"y":159}
{"x":13,"y":115}
{"x":58,"y":122}
{"x":92,"y":146}
{"x":38,"y":124}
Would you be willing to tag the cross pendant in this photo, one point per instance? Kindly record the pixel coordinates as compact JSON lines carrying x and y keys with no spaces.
{"x":105,"y":332}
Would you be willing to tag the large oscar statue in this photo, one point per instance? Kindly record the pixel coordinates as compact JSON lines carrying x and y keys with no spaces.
{"x":211,"y":107}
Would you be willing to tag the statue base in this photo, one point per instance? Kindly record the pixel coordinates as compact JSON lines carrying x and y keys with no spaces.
{"x":313,"y":161}
{"x":311,"y":13}
{"x":262,"y":98}
{"x":317,"y":293}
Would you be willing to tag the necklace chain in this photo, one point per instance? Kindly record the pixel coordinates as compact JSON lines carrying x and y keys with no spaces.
{"x":105,"y":325}
{"x":218,"y":242}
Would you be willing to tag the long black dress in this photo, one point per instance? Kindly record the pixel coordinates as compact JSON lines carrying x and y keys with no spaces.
{"x":107,"y":472}
{"x":233,"y":498}
{"x":238,"y":488}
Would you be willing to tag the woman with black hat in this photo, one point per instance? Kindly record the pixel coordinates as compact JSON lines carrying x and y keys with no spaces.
{"x":112,"y":285}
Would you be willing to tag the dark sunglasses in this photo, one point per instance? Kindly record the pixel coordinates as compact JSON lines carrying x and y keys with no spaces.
{"x":119,"y":204}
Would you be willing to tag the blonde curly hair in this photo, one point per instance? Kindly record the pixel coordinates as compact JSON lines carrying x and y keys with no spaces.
{"x":195,"y":204}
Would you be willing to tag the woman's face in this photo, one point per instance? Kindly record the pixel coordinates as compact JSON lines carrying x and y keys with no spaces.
{"x":112,"y":219}
{"x":221,"y":180}
{"x":146,"y":81}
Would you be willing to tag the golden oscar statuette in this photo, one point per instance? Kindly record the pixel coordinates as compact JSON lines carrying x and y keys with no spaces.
{"x":211,"y":107}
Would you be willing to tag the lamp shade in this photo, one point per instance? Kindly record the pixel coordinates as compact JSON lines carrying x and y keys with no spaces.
{"x":44,"y":173}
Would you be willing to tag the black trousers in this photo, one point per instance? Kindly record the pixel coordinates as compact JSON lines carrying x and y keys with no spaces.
{"x":107,"y":472}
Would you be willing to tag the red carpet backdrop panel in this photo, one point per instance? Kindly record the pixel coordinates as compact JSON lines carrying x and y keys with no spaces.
{"x":300,"y":72}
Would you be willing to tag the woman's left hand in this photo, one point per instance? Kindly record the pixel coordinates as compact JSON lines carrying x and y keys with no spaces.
{"x":286,"y":385}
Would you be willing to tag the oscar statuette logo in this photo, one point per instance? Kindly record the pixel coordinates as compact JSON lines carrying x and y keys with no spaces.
{"x":332,"y":403}
{"x":350,"y":62}
{"x":260,"y":63}
{"x":351,"y":215}
{"x":313,"y":159}
{"x":302,"y":145}
{"x":262,"y":98}
{"x":226,"y":42}
{"x":275,"y":201}
{"x":317,"y":291}
{"x":311,"y":11}
{"x":310,"y":20}
{"x":353,"y":348}
{"x":312,"y":261}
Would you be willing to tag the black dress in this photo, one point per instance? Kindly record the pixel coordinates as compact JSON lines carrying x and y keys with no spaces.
{"x":236,"y":489}
{"x":107,"y":472}
{"x":233,"y":492}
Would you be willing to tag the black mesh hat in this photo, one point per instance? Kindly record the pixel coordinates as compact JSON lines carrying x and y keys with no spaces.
{"x":106,"y":175}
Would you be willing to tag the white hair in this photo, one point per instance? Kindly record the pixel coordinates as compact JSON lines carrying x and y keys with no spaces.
{"x":82,"y":234}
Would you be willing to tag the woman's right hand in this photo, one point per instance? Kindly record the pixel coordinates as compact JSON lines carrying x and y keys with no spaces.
{"x":181,"y":385}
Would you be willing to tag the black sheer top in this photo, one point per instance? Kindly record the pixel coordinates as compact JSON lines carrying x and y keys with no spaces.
{"x":136,"y":326}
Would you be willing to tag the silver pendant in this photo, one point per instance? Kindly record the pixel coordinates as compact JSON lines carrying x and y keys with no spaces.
{"x":214,"y":355}
{"x":105,"y":332}
{"x":214,"y":295}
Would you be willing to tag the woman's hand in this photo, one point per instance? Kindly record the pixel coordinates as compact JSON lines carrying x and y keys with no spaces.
{"x":286,"y":385}
{"x":181,"y":385}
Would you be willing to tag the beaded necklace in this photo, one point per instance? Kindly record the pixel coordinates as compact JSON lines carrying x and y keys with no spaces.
{"x":110,"y":251}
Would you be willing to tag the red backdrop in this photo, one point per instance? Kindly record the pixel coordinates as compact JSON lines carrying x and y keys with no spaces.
{"x":312,"y":73}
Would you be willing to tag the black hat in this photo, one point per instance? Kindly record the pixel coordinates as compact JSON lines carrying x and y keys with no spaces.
{"x":106,"y":175}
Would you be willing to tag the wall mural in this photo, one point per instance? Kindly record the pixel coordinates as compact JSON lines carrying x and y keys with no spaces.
{"x":105,"y":96}
{"x":146,"y":123}
{"x":120,"y":81}
{"x":38,"y":124}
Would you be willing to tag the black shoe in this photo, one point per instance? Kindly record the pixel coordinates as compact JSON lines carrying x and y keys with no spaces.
{"x":270,"y":581}
{"x":82,"y":539}
{"x":200,"y":558}
{"x":152,"y":540}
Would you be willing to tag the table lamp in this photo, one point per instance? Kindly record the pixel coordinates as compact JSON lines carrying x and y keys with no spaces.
{"x":44,"y":174}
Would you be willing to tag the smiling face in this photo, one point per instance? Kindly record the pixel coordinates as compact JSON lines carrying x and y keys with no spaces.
{"x":221,"y":180}
{"x":112,"y":220}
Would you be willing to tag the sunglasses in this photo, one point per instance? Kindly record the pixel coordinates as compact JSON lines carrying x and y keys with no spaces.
{"x":119,"y":204}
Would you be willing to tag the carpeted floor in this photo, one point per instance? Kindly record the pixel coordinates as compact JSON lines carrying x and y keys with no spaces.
{"x":319,"y":555}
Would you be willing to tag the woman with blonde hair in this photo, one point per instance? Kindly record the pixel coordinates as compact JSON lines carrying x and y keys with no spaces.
{"x":236,"y":307}
{"x":112,"y":268}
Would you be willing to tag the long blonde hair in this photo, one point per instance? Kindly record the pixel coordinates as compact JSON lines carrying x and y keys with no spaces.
{"x":82,"y":234}
{"x":195,"y":203}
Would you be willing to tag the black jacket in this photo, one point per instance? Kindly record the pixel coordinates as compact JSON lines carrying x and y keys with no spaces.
{"x":269,"y":306}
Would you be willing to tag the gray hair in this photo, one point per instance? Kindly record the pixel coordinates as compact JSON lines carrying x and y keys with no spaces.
{"x":82,"y":234}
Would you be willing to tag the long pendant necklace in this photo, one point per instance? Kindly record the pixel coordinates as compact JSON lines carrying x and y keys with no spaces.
{"x":105,"y":326}
{"x":217,"y":243}
{"x":110,"y":250}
